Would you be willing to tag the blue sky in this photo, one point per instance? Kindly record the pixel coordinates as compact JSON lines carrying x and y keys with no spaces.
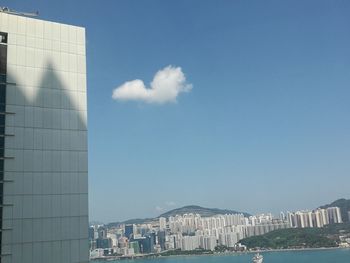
{"x":265,"y":127}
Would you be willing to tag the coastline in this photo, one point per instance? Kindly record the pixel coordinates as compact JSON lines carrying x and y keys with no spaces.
{"x":295,"y":249}
{"x":155,"y":256}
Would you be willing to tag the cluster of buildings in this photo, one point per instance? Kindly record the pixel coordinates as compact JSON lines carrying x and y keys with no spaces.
{"x":193,"y":232}
{"x":182,"y":232}
{"x":315,"y":218}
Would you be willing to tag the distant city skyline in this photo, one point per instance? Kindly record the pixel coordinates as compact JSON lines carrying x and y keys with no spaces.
{"x":191,"y":231}
{"x":259,"y":120}
{"x":276,"y":214}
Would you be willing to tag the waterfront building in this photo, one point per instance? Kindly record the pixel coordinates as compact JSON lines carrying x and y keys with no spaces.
{"x":161,"y":236}
{"x":103,"y":243}
{"x":188,"y":243}
{"x":135,"y":246}
{"x":232,"y":239}
{"x":147,"y":244}
{"x":122,"y":242}
{"x":228,"y":239}
{"x":96,"y":253}
{"x":43,"y":142}
{"x":113,"y":238}
{"x":208,"y":242}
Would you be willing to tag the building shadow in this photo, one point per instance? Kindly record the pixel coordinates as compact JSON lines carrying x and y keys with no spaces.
{"x":45,"y":190}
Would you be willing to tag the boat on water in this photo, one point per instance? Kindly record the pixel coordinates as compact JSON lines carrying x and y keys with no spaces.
{"x":258,"y":258}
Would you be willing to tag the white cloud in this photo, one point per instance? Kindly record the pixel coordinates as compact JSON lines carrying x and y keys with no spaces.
{"x":167,"y":84}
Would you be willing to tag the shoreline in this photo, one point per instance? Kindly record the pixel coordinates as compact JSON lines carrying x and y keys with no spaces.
{"x":155,"y":256}
{"x":295,"y":249}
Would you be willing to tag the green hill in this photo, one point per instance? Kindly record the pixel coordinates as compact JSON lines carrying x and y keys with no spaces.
{"x":344,"y":205}
{"x":298,"y":237}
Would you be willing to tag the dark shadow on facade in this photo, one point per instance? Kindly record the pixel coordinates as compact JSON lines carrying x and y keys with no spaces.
{"x":46,"y":184}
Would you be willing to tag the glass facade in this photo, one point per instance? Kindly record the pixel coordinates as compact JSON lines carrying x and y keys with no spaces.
{"x":43,"y":142}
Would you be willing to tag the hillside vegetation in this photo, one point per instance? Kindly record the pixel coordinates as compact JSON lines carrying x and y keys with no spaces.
{"x":298,"y":237}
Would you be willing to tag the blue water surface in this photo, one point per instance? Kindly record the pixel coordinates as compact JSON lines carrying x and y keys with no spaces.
{"x":310,"y":256}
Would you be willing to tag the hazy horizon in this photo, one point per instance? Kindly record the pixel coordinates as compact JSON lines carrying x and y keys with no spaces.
{"x":164,"y":210}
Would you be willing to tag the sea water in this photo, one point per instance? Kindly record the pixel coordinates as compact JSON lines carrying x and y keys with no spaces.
{"x":305,"y":256}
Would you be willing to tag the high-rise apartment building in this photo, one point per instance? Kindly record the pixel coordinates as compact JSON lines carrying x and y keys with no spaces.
{"x":43,"y":142}
{"x":315,"y":218}
{"x":162,"y":223}
{"x":334,"y":215}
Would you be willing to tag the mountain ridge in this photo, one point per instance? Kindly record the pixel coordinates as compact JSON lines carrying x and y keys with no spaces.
{"x":203,"y":211}
{"x":342,"y":203}
{"x":195,"y":209}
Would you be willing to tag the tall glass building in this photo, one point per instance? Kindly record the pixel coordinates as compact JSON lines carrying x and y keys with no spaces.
{"x":43,"y":142}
